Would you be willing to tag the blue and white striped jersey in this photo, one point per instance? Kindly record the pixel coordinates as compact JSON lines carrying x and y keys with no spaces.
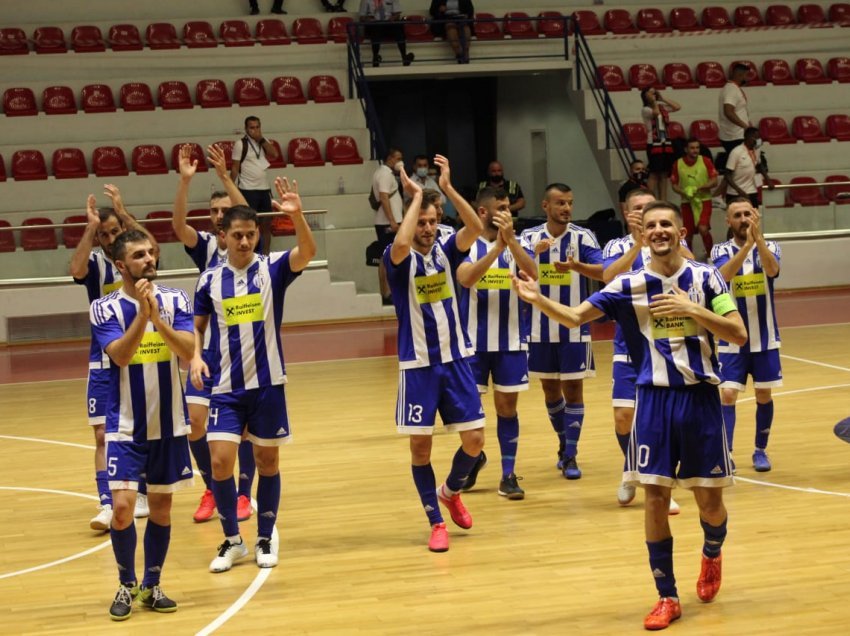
{"x":567,"y":288}
{"x":146,"y":397}
{"x":611,"y":253}
{"x":102,"y":278}
{"x":206,"y":254}
{"x":495,"y":318}
{"x":752,"y":290}
{"x":665,"y":351}
{"x":246,"y":309}
{"x":444,"y":231}
{"x":423,"y":289}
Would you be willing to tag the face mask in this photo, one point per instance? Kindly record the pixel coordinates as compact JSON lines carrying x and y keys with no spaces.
{"x":398,"y":166}
{"x":758,"y":144}
{"x":640,"y":176}
{"x":422,"y":172}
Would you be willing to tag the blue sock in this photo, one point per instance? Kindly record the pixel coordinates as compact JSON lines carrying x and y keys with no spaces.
{"x":124,"y":549}
{"x":103,"y":492}
{"x":661,"y":564}
{"x":572,"y":428}
{"x":507,"y":430}
{"x":558,"y":419}
{"x":461,"y":466}
{"x":729,"y":422}
{"x":764,"y":419}
{"x":623,"y":441}
{"x":201,"y":452}
{"x":224,"y":493}
{"x":268,"y":500}
{"x":714,"y":537}
{"x":247,"y":468}
{"x":156,"y":540}
{"x":426,"y":486}
{"x":143,"y":486}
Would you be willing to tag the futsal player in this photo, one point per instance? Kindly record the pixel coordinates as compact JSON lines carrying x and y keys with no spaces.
{"x":566,"y":255}
{"x":435,"y":198}
{"x":93,"y":267}
{"x":143,"y":328}
{"x":208,"y":250}
{"x":669,"y":312}
{"x":433,"y":347}
{"x":750,"y":264}
{"x":497,"y":326}
{"x":241,"y":302}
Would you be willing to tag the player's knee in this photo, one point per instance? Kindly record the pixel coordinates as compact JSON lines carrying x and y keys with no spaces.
{"x":420,"y":450}
{"x":728,"y":397}
{"x":472,"y":441}
{"x":122,"y":514}
{"x":573,"y":391}
{"x":551,"y":390}
{"x":763,"y":396}
{"x":505,"y":404}
{"x":657,"y":499}
{"x":267,"y":459}
{"x":623,"y":420}
{"x":100,"y":437}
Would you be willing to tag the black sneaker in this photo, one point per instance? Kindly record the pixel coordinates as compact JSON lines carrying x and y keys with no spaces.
{"x":509,"y":487}
{"x":469,"y":484}
{"x":255,"y":10}
{"x":122,"y":606}
{"x":571,"y":469}
{"x":407,"y":60}
{"x":154,"y":598}
{"x":376,"y":61}
{"x":560,"y":464}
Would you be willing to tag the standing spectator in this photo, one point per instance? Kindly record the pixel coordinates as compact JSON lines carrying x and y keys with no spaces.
{"x":694,"y":178}
{"x":382,"y":11}
{"x":420,"y":176}
{"x":496,"y":179}
{"x":733,"y":116}
{"x":385,"y":191}
{"x":746,"y":169}
{"x":450,"y":21}
{"x":659,"y":148}
{"x":251,"y":156}
{"x":277,"y":7}
{"x":637,"y":180}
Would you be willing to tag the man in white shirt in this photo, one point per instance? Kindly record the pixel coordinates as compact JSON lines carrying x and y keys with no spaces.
{"x":746,"y":169}
{"x":388,"y":214}
{"x":733,"y":117}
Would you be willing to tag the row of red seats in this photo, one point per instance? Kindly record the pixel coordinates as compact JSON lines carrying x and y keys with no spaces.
{"x":712,"y":75}
{"x":98,"y":98}
{"x":813,"y":195}
{"x":110,"y":161}
{"x":683,"y":19}
{"x":773,"y":130}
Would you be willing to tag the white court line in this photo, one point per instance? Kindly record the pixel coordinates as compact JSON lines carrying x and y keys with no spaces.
{"x":813,"y":491}
{"x":820,"y":364}
{"x":46,"y":441}
{"x":794,"y":391}
{"x":231,"y":611}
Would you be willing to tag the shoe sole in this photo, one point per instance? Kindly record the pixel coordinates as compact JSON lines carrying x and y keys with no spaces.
{"x":266,"y":566}
{"x":214,"y":515}
{"x":227,"y":569}
{"x":437,"y":550}
{"x":572,"y":477}
{"x":160,"y":610}
{"x":118,"y":619}
{"x":660,"y":627}
{"x":454,"y":521}
{"x":513,"y":496}
{"x":98,"y":526}
{"x":762,"y":469}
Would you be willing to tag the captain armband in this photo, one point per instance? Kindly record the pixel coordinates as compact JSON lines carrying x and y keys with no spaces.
{"x":723,"y":304}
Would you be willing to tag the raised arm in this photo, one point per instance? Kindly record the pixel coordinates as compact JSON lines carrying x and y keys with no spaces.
{"x":472,"y":226}
{"x":403,"y":242}
{"x":215,"y":155}
{"x":524,"y":262}
{"x":769,"y":262}
{"x":79,"y":266}
{"x":290,"y":205}
{"x":128,"y":221}
{"x":186,"y":168}
{"x":627,"y":260}
{"x":571,"y":317}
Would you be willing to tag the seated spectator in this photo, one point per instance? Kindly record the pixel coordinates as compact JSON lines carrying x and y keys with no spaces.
{"x":383,"y":11}
{"x":450,"y":23}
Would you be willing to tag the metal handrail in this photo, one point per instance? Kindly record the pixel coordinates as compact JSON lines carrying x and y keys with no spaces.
{"x":792,"y":186}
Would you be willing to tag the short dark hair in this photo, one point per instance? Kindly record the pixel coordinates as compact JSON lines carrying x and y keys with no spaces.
{"x":489,"y":192}
{"x":738,"y":199}
{"x":637,"y":192}
{"x":104,"y":213}
{"x":739,"y":67}
{"x":563,"y":188}
{"x":750,"y":131}
{"x":664,"y":205}
{"x":418,"y":157}
{"x":219,"y":194}
{"x":635,"y":162}
{"x":251,"y":118}
{"x":391,"y":151}
{"x":643,"y":96}
{"x":238,"y":213}
{"x":431,"y":197}
{"x":693,"y":140}
{"x":119,"y":245}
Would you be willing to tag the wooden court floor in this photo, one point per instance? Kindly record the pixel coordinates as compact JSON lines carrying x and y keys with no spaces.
{"x":353,"y":551}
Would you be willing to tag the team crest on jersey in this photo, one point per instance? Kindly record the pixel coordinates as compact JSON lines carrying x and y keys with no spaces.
{"x":165,"y":315}
{"x":696,"y":295}
{"x":259,"y":280}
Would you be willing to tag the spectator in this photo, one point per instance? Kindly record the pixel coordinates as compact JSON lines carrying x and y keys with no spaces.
{"x":496,"y":179}
{"x":334,"y":8}
{"x":420,"y":176}
{"x":251,"y":156}
{"x":450,"y":21}
{"x":637,"y":179}
{"x":659,"y":149}
{"x":746,"y":169}
{"x":383,"y":11}
{"x":277,"y":7}
{"x":694,"y":178}
{"x":733,"y":117}
{"x":388,"y":214}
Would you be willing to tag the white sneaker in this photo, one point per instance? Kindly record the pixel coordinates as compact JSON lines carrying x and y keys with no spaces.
{"x":626,"y":494}
{"x":142,"y":509}
{"x":265,"y":553}
{"x":228,"y":554}
{"x":103,"y":520}
{"x":674,"y":507}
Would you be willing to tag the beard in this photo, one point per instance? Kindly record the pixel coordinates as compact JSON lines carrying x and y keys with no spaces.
{"x":147,"y":274}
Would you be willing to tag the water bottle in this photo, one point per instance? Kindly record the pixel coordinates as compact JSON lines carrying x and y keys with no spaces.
{"x":340,"y":189}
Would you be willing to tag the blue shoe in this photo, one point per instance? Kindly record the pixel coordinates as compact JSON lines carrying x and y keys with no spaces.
{"x":760,"y":461}
{"x":571,"y":469}
{"x":842,"y":430}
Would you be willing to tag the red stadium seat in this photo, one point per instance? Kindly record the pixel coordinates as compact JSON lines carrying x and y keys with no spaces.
{"x":810,"y":71}
{"x":18,"y":102}
{"x":588,"y":23}
{"x":287,"y":90}
{"x":840,"y":13}
{"x":619,"y":21}
{"x":199,"y":219}
{"x":69,"y":163}
{"x":518,"y":26}
{"x":199,"y":34}
{"x":235,"y":33}
{"x":553,"y":24}
{"x":280,"y":162}
{"x":49,"y":40}
{"x":838,"y":127}
{"x":174,"y":95}
{"x":611,"y":77}
{"x":706,"y":131}
{"x":652,"y":21}
{"x":323,"y":89}
{"x":227,"y":148}
{"x":2,"y":169}
{"x":711,"y":75}
{"x":197,"y":155}
{"x":38,"y":237}
{"x":162,"y":231}
{"x":338,"y":29}
{"x":415,"y":29}
{"x":13,"y":41}
{"x":748,"y":16}
{"x":7,"y":237}
{"x":777,"y":72}
{"x":684,"y":19}
{"x":71,"y":236}
{"x":212,"y":93}
{"x":272,"y":32}
{"x":162,"y":35}
{"x":305,"y":151}
{"x":635,"y":134}
{"x":488,"y":30}
{"x":58,"y":100}
{"x":837,"y":193}
{"x":774,"y":130}
{"x":109,"y":161}
{"x":149,"y":159}
{"x":87,"y":39}
{"x":810,"y":195}
{"x":136,"y":96}
{"x":678,"y":75}
{"x":838,"y":69}
{"x":643,"y":75}
{"x":97,"y":98}
{"x":752,"y":76}
{"x":342,"y":150}
{"x":807,"y":128}
{"x":675,"y":130}
{"x":308,"y":31}
{"x":810,"y":14}
{"x":779,"y":15}
{"x":250,"y":91}
{"x":28,"y":165}
{"x":125,"y":37}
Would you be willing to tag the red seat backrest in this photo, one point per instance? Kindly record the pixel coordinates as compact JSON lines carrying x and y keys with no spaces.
{"x":643,"y":75}
{"x":270,"y":32}
{"x":748,"y":16}
{"x":38,"y":237}
{"x":58,"y":100}
{"x":149,"y":159}
{"x":338,"y":29}
{"x":684,"y":19}
{"x":324,"y":88}
{"x":288,"y":90}
{"x":810,"y":14}
{"x":250,"y":91}
{"x":199,"y":34}
{"x":28,"y":165}
{"x":97,"y":98}
{"x":125,"y":37}
{"x":87,"y":39}
{"x":779,"y":15}
{"x":71,"y":236}
{"x":18,"y":102}
{"x":308,"y":31}
{"x":49,"y":40}
{"x":652,"y":21}
{"x":13,"y":41}
{"x":162,"y":35}
{"x":212,"y":93}
{"x":109,"y":161}
{"x":174,"y":94}
{"x":136,"y":96}
{"x":711,"y":74}
{"x":236,"y":33}
{"x":304,"y":151}
{"x":69,"y":163}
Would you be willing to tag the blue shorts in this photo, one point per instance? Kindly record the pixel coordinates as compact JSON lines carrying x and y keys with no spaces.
{"x":448,"y":388}
{"x":164,"y":463}
{"x":678,"y":438}
{"x":624,"y":391}
{"x":201,"y":396}
{"x":97,"y":393}
{"x":508,"y":368}
{"x":561,"y":360}
{"x":764,"y":366}
{"x":263,"y":410}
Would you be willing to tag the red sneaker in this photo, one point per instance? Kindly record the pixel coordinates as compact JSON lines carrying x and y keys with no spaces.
{"x":243,"y":508}
{"x":439,"y":541}
{"x":666,"y":611}
{"x":206,"y":509}
{"x":460,"y":515}
{"x":708,"y":584}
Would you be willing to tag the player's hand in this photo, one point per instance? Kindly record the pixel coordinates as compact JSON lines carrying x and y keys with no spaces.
{"x":198,"y":370}
{"x":445,"y":180}
{"x":186,"y":166}
{"x":411,"y":188}
{"x":568,"y":265}
{"x":394,"y":227}
{"x":674,"y":304}
{"x":543,"y":245}
{"x":144,"y":289}
{"x":114,"y":195}
{"x":215,"y":155}
{"x":755,"y":225}
{"x":526,"y":287}
{"x":290,"y":201}
{"x":92,"y":217}
{"x":634,"y":220}
{"x":504,"y":221}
